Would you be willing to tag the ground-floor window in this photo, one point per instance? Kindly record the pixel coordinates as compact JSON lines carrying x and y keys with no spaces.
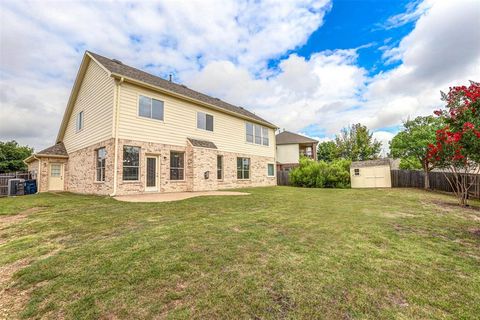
{"x":101,"y":155}
{"x":271,"y":170}
{"x":177,"y":165}
{"x":219,"y":167}
{"x":243,"y":168}
{"x":131,"y":163}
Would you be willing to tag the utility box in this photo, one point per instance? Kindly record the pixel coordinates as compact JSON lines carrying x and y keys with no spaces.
{"x":16,"y":187}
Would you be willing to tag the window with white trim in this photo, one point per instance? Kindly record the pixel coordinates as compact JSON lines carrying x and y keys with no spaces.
{"x":256,"y":134}
{"x":101,"y":155}
{"x":79,"y":121}
{"x":204,"y":121}
{"x":219,"y":167}
{"x":177,"y":165}
{"x":150,"y":108}
{"x":243,"y":168}
{"x":131,"y":163}
{"x":270,"y":170}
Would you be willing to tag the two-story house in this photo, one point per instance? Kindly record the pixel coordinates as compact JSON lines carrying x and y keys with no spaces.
{"x":125,"y":131}
{"x":291,"y":147}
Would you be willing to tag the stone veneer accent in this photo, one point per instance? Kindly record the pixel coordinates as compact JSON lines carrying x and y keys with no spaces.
{"x":197,"y":161}
{"x":82,"y":170}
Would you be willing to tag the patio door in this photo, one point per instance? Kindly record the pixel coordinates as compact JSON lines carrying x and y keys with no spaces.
{"x":55,"y":177}
{"x":151,"y":174}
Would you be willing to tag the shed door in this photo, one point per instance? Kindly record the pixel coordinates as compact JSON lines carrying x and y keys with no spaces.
{"x":55,"y":177}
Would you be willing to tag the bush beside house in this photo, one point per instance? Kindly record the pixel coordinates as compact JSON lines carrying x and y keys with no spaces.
{"x":321,"y":174}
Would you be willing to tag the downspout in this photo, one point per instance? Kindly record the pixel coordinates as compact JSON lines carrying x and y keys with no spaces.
{"x":118,"y":83}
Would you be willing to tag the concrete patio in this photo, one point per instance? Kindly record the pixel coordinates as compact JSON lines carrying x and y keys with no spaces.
{"x":175,"y":196}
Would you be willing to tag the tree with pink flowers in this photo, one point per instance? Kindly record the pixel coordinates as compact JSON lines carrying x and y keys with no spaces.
{"x":457,"y":146}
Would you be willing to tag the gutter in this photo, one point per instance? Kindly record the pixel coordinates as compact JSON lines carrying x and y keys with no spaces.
{"x":118,"y":83}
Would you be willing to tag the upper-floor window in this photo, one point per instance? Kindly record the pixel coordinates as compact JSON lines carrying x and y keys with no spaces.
{"x":257,"y":134}
{"x":204,"y":121}
{"x":79,"y":121}
{"x":356,"y":172}
{"x":150,"y":108}
{"x":131,"y":163}
{"x":101,"y":155}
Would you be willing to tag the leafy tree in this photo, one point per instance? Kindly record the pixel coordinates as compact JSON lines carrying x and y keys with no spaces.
{"x":357,"y":144}
{"x":410,"y":163}
{"x":457,"y":146}
{"x":327,"y":151}
{"x":411,"y":144}
{"x":12,"y":156}
{"x":321,"y":174}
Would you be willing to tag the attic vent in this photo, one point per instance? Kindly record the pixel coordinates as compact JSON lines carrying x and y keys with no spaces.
{"x":217,"y":99}
{"x":117,"y":61}
{"x":183,"y":85}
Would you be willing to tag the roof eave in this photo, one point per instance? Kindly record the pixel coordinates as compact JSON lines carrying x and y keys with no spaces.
{"x":184,"y":97}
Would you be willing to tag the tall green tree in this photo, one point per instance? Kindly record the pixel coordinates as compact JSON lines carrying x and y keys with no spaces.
{"x":357,"y":144}
{"x":412,"y":143}
{"x":327,"y":151}
{"x":12,"y":156}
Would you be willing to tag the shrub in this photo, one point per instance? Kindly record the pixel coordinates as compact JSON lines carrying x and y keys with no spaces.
{"x":313,"y":174}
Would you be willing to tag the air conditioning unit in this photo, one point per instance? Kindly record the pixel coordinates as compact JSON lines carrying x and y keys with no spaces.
{"x":15,"y":187}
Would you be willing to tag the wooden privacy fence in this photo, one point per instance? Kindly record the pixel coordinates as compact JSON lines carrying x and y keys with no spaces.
{"x":283,"y":178}
{"x":4,"y":177}
{"x":438,"y":181}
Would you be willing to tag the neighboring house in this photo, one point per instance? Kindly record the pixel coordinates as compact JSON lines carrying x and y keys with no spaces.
{"x":292,"y":146}
{"x":126,"y":131}
{"x":371,"y":173}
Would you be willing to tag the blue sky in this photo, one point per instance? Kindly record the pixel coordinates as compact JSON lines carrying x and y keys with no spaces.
{"x":353,"y":24}
{"x":310,"y":66}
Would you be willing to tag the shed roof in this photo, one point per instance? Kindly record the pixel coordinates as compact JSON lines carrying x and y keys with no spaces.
{"x":117,"y":67}
{"x":202,"y":143}
{"x":287,"y":137}
{"x":370,"y":163}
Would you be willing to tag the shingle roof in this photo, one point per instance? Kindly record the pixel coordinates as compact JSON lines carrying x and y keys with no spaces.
{"x":287,"y":137}
{"x":56,"y":150}
{"x":202,"y":143}
{"x":117,"y":67}
{"x":370,"y":163}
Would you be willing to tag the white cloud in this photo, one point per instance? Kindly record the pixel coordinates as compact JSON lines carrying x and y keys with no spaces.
{"x":384,"y":137}
{"x":42,"y":45}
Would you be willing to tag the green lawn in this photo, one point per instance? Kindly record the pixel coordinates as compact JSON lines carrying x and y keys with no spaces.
{"x":278,"y":253}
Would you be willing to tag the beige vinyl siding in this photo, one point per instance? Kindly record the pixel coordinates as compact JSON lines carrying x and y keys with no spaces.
{"x":180,"y":122}
{"x":288,"y":153}
{"x":95,"y":99}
